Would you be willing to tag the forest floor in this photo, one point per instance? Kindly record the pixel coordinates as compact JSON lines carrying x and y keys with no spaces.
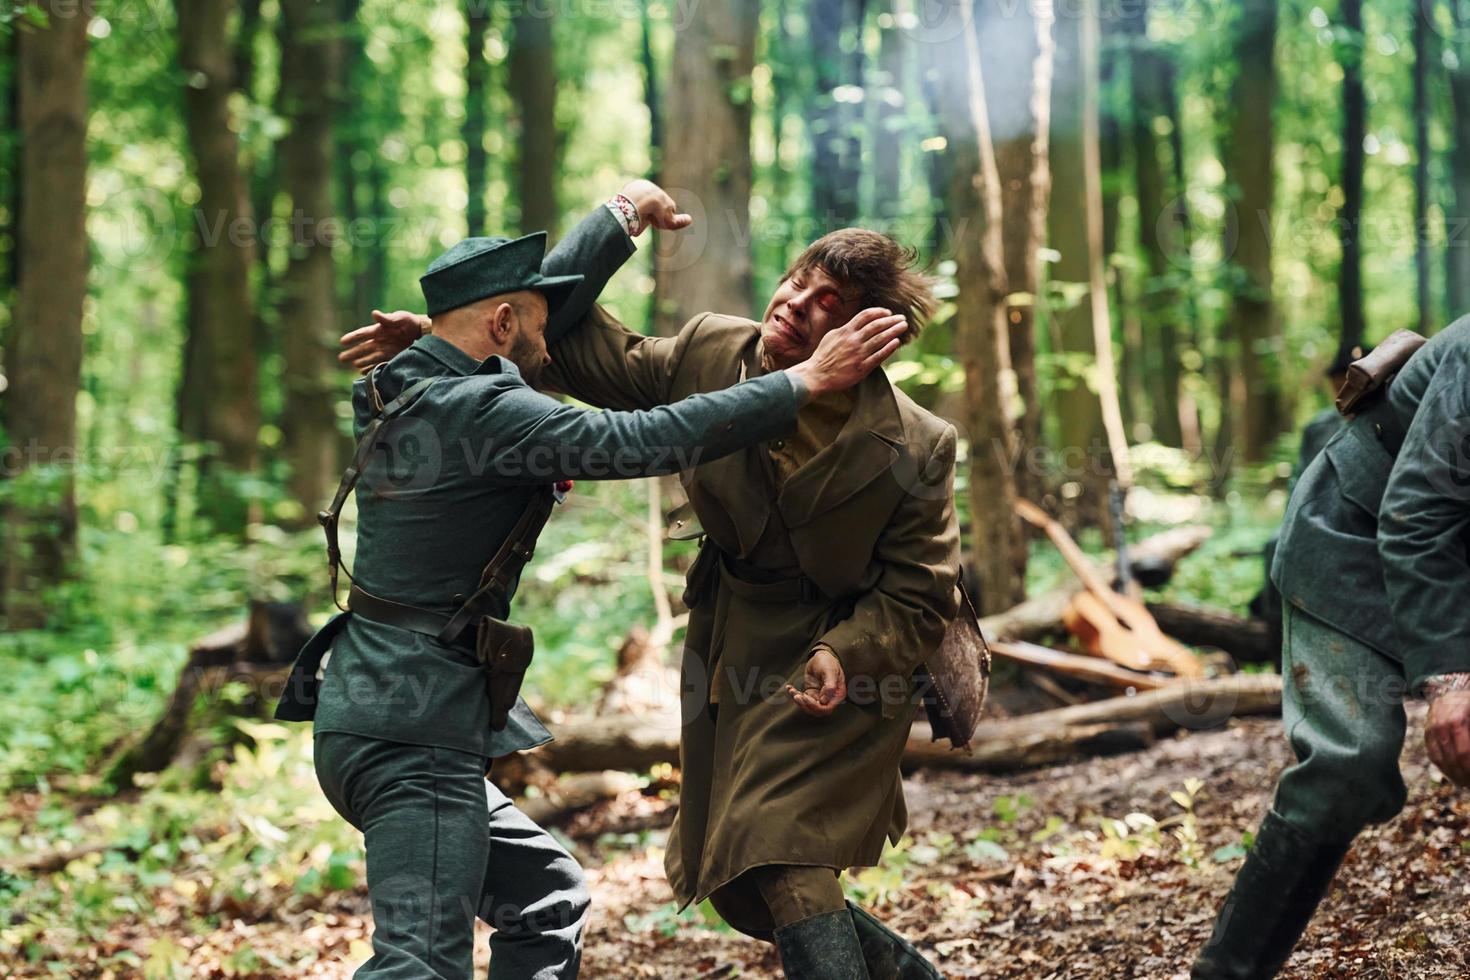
{"x":1109,"y":868}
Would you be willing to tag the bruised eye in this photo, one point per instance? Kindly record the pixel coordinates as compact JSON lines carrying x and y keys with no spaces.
{"x":828,"y":301}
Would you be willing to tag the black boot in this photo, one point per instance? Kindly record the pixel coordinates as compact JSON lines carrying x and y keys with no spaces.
{"x":889,"y":956}
{"x":821,"y":947}
{"x":1277,"y":890}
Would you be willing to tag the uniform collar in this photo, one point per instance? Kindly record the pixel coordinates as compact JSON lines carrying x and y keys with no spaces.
{"x":460,"y":363}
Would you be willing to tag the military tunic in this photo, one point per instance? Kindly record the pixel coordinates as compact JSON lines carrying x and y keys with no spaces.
{"x":1372,"y":564}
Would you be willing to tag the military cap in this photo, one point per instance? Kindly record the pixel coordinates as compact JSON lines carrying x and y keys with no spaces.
{"x":475,"y":268}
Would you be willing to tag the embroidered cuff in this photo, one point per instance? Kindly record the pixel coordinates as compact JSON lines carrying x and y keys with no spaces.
{"x":627,"y":214}
{"x":1444,"y":684}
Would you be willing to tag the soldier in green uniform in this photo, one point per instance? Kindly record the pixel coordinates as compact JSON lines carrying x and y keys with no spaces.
{"x":826,"y":573}
{"x":1373,"y":572}
{"x":1315,"y":434}
{"x":404,"y":725}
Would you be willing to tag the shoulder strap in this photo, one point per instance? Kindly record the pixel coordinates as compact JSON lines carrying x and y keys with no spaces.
{"x":328,"y":518}
{"x":508,"y":562}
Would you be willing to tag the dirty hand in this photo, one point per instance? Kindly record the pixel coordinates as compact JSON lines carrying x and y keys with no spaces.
{"x":387,"y":336}
{"x":826,"y":686}
{"x":1447,"y":735}
{"x":849,"y":353}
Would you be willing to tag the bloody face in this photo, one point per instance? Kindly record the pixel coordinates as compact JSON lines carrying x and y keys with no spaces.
{"x":804,"y":307}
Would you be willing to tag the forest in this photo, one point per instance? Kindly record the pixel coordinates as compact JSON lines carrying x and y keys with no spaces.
{"x":1155,"y":227}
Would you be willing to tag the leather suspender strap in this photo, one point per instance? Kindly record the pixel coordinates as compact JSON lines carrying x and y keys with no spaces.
{"x":503,"y":569}
{"x":507,"y":564}
{"x":328,"y":518}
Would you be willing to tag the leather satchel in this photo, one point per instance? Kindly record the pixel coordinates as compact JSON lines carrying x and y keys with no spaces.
{"x":956,"y":677}
{"x":1371,"y":373}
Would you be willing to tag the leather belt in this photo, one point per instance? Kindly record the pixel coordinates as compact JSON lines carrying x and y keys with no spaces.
{"x":404,"y":616}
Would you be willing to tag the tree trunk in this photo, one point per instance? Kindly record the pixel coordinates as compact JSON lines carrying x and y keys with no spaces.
{"x":532,"y":85}
{"x":651,"y":93}
{"x":709,"y":173}
{"x":1097,"y":251}
{"x":218,"y":399}
{"x":477,"y":21}
{"x":1151,"y":78}
{"x":1457,"y":215}
{"x":836,"y":149}
{"x":1251,"y":142}
{"x":11,"y":174}
{"x":244,"y":46}
{"x":1350,"y":217}
{"x":360,"y":126}
{"x":997,"y":543}
{"x":1180,"y":226}
{"x":1081,"y":439}
{"x":44,"y":346}
{"x":889,"y":123}
{"x":1018,"y":102}
{"x":310,"y":80}
{"x":1423,"y":58}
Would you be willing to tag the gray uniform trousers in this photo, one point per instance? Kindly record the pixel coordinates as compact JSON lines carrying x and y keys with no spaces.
{"x":1343,"y":709}
{"x":444,"y":847}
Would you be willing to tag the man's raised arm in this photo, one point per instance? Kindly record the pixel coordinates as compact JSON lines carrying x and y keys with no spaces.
{"x":595,"y":358}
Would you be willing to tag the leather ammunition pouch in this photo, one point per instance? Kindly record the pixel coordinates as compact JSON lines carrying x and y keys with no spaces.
{"x":1369,"y":375}
{"x":504,"y":650}
{"x":1365,"y":392}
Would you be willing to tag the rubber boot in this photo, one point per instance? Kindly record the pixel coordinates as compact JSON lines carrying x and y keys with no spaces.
{"x":1278,"y":888}
{"x":821,"y":947}
{"x":888,"y":955}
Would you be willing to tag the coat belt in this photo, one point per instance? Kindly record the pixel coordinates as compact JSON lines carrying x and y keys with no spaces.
{"x":743,"y":579}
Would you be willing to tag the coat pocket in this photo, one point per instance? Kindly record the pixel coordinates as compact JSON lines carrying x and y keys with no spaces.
{"x":1362,"y":466}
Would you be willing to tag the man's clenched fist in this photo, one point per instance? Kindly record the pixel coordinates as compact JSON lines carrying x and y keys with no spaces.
{"x":655,"y":207}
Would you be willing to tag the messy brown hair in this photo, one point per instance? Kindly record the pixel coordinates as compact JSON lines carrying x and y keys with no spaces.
{"x":878,"y":270}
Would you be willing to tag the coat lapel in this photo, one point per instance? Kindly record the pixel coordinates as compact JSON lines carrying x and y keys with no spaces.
{"x":743,"y":483}
{"x":867,"y":446}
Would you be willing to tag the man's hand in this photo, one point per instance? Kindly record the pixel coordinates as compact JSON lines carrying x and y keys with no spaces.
{"x":655,"y":207}
{"x":1447,"y":735}
{"x":387,"y":336}
{"x":826,"y":686}
{"x":849,"y":353}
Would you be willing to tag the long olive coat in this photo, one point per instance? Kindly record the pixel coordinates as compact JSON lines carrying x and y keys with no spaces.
{"x":869,"y":524}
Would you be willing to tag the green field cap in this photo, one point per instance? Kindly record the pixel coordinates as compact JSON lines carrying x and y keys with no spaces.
{"x":475,"y":268}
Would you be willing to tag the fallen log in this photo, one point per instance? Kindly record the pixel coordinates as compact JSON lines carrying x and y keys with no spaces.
{"x":258,"y":651}
{"x":1112,"y":724}
{"x":628,"y":742}
{"x":1247,"y":640}
{"x":1044,"y":738}
{"x":1042,"y":615}
{"x":576,"y":792}
{"x":1093,"y":669}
